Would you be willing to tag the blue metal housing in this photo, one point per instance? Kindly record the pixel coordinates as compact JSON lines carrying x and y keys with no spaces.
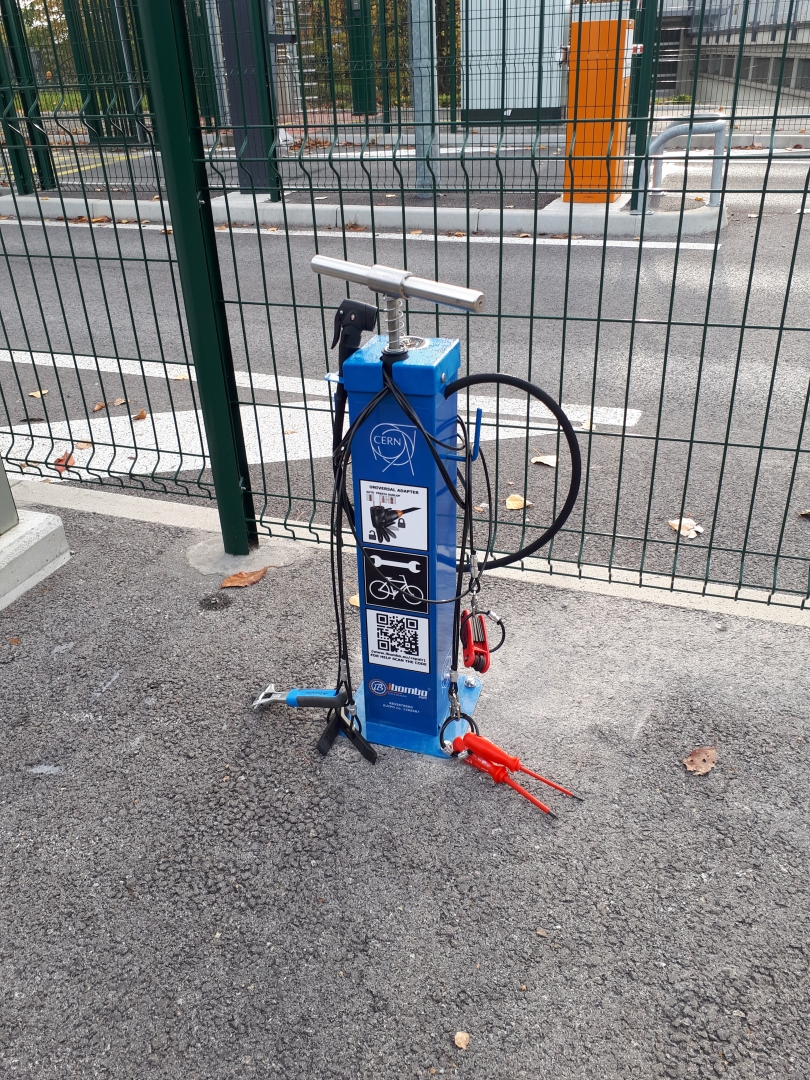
{"x":406,"y":519}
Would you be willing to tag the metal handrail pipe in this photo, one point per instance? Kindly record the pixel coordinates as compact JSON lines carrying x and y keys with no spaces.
{"x":400,"y":283}
{"x":716,"y":123}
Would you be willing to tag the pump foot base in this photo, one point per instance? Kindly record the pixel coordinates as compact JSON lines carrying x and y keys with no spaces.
{"x":418,"y":742}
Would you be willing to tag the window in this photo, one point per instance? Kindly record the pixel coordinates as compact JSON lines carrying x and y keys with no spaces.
{"x":760,"y":65}
{"x":787,"y":72}
{"x":803,"y":75}
{"x":728,"y":67}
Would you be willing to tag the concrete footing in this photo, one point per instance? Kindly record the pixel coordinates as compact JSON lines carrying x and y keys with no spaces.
{"x":29,"y":552}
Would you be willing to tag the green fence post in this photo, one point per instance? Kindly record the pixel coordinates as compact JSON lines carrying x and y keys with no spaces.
{"x":361,"y":57}
{"x":174,"y":103}
{"x":643,"y":91}
{"x":12,"y":132}
{"x":27,"y":89}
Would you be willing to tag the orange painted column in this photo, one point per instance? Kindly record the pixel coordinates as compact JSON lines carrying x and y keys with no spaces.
{"x":598,"y":98}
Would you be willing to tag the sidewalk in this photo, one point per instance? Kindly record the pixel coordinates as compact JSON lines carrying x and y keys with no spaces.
{"x":189,"y":889}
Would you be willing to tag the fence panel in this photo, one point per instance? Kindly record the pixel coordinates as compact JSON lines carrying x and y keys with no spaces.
{"x":503,"y":147}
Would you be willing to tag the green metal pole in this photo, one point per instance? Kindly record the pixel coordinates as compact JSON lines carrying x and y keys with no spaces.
{"x":361,"y":57}
{"x":452,"y":31}
{"x":12,"y":132}
{"x":27,"y":89}
{"x":174,"y":101}
{"x":81,"y":62}
{"x":647,"y":11}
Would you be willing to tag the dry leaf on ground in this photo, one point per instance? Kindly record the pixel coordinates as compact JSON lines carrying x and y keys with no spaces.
{"x":415,"y":232}
{"x":64,"y":461}
{"x":166,"y":232}
{"x":101,"y":220}
{"x":155,"y":198}
{"x":14,"y":641}
{"x":140,"y":415}
{"x":525,"y":235}
{"x":545,"y":459}
{"x":459,"y":234}
{"x":702,"y":760}
{"x":181,"y":378}
{"x":686,"y":527}
{"x":462,"y":1040}
{"x":541,"y":932}
{"x":99,"y":405}
{"x":37,"y":393}
{"x":83,"y":445}
{"x":355,"y":600}
{"x":804,"y":513}
{"x":243,"y":578}
{"x":516,"y":502}
{"x":120,"y":401}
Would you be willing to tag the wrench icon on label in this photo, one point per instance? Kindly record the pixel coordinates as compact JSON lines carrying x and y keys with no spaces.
{"x":412,"y":567}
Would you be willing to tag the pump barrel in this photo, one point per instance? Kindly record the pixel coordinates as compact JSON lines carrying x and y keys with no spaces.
{"x":402,"y":283}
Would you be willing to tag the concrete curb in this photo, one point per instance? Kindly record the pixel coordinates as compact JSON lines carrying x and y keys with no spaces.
{"x":585,"y":579}
{"x":237,"y":209}
{"x":29,"y":553}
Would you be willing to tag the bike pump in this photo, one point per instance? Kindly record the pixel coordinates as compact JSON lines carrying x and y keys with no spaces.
{"x":411,"y":456}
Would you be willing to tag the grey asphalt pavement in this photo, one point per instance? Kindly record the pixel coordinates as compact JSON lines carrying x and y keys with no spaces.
{"x":189,"y":890}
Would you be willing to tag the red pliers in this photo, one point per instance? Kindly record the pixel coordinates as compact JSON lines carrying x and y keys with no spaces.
{"x":491,"y":759}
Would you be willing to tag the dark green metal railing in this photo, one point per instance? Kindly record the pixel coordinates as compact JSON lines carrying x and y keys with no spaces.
{"x":169,"y":169}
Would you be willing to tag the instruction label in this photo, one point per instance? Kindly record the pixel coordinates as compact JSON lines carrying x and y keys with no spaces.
{"x":395,"y":514}
{"x":396,"y":579}
{"x":399,"y":641}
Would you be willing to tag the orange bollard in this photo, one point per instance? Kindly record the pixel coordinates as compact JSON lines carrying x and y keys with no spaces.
{"x":598,"y":98}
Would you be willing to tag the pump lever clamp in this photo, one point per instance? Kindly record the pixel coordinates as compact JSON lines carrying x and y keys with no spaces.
{"x":301,"y":699}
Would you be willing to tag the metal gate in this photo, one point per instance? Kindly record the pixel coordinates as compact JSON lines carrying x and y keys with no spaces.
{"x":169,"y":169}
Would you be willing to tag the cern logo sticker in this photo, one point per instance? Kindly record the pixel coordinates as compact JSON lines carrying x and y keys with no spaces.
{"x":393,"y":444}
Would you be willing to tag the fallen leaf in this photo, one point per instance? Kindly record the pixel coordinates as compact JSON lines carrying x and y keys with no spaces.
{"x":459,"y":234}
{"x":804,"y":513}
{"x":525,"y":235}
{"x":272,"y":228}
{"x":99,"y":406}
{"x":415,"y":232}
{"x":182,"y":377}
{"x":155,"y":198}
{"x":559,"y":236}
{"x":289,"y":431}
{"x":686,"y":527}
{"x":516,"y":502}
{"x":145,"y":221}
{"x":102,"y":220}
{"x":699,"y":198}
{"x":64,"y":461}
{"x":355,"y":600}
{"x":541,"y":933}
{"x":480,"y":509}
{"x":545,"y":459}
{"x":702,"y":760}
{"x":222,"y":228}
{"x":14,"y":641}
{"x":78,"y":220}
{"x":352,"y":226}
{"x":166,"y":232}
{"x":524,"y":987}
{"x":126,"y":221}
{"x":140,"y":415}
{"x":37,"y":393}
{"x":462,"y":1040}
{"x":243,"y":578}
{"x":120,"y":401}
{"x":83,"y":445}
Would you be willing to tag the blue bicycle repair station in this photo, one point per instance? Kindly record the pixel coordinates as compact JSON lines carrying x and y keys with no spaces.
{"x":408,"y":519}
{"x":403,"y":489}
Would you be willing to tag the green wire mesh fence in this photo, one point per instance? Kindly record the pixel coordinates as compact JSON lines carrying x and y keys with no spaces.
{"x":656,"y":285}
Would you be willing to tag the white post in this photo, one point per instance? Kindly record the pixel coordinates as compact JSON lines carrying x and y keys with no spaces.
{"x":424,"y":88}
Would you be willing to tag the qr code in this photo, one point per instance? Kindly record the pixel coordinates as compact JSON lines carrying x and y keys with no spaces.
{"x":397,"y":634}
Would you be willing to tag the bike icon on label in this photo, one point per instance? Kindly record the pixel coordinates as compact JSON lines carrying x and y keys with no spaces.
{"x":396,"y":579}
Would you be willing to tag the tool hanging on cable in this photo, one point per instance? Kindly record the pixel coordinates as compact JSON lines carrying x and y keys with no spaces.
{"x":412,"y":462}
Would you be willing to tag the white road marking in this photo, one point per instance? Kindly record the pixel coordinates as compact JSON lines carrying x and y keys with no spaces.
{"x":168,"y":442}
{"x":541,"y":241}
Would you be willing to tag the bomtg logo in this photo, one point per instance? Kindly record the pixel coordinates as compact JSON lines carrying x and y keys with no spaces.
{"x":378,"y":687}
{"x":394,"y":444}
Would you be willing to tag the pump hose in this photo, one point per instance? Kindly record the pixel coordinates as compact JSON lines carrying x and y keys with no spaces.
{"x":573,"y":447}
